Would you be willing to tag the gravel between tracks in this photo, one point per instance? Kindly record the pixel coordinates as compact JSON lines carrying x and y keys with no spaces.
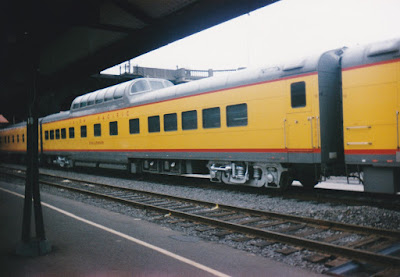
{"x":359,"y":215}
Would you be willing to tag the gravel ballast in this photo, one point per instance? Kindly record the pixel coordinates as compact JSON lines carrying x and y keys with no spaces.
{"x":358,"y":215}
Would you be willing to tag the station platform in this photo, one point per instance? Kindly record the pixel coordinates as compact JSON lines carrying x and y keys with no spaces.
{"x":90,"y":241}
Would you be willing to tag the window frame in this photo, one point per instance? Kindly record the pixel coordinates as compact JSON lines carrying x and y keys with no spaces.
{"x":71,"y":130}
{"x":63,"y":132}
{"x":83,"y":131}
{"x":153,"y":124}
{"x":236,"y":121}
{"x":297,"y":90}
{"x":170,"y":122}
{"x":209,"y":121}
{"x":187,"y":121}
{"x":97,"y":130}
{"x":133,"y":127}
{"x":113,"y":128}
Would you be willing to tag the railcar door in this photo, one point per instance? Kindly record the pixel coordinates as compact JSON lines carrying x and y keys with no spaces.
{"x":300,"y":123}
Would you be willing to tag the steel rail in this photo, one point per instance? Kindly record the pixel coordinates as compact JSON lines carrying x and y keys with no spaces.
{"x":351,"y":253}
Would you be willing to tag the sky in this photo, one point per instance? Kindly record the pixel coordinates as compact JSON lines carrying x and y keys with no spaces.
{"x":278,"y":33}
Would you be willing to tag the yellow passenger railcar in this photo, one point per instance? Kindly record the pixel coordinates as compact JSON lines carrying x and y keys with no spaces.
{"x":371,"y":105}
{"x":13,"y":139}
{"x":330,"y":114}
{"x":257,"y":127}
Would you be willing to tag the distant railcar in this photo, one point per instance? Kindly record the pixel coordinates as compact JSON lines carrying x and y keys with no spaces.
{"x":331,"y":114}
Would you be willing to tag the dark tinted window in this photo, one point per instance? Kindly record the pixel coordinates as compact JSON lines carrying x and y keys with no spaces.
{"x":46,"y":135}
{"x":71,"y":132}
{"x":83,"y":131}
{"x":236,"y":115}
{"x":114,"y":128}
{"x":23,"y":137}
{"x":189,"y":120}
{"x":17,"y":138}
{"x":154,"y":124}
{"x":170,"y":122}
{"x":13,"y":139}
{"x":134,"y":127}
{"x":211,"y":118}
{"x":63,"y":133}
{"x":298,"y":94}
{"x":97,"y":130}
{"x":51,"y":134}
{"x":58,"y":134}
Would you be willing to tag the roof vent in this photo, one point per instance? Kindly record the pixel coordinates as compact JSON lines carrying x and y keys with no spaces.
{"x":382,"y":48}
{"x":294,"y":65}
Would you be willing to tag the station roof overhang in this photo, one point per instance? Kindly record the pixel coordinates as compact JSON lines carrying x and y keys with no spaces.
{"x":66,"y":40}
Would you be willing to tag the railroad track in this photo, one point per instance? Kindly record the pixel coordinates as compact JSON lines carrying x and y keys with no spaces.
{"x":371,"y":246}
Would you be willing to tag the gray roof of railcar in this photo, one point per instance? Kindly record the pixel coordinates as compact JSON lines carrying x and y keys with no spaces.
{"x":371,"y":53}
{"x":14,"y":126}
{"x":229,"y":80}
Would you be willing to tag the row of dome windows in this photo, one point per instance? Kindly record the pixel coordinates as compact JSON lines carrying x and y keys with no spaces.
{"x":117,"y":92}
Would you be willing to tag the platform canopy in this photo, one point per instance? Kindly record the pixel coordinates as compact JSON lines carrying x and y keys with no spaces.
{"x":73,"y":39}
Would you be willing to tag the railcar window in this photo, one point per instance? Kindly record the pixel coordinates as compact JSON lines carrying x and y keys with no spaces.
{"x":139,"y":86}
{"x":71,"y":131}
{"x":83,"y":131}
{"x":23,"y":137}
{"x":51,"y":134}
{"x":211,"y":118}
{"x":154,"y":124}
{"x":13,"y":140}
{"x":63,"y":133}
{"x":75,"y":106}
{"x":58,"y":134}
{"x":109,"y":94}
{"x":83,"y":104}
{"x":298,"y":94}
{"x":17,"y":138}
{"x":8,"y":139}
{"x":119,"y":93}
{"x":97,"y":130}
{"x":236,"y":115}
{"x":134,"y":126}
{"x":46,"y":135}
{"x":91,"y":99}
{"x":156,"y":85}
{"x":100,"y":97}
{"x":189,"y":120}
{"x":114,"y":128}
{"x":0,"y":140}
{"x":170,"y":122}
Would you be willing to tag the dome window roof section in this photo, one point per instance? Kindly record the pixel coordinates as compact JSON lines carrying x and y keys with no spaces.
{"x":167,"y":83}
{"x":119,"y":91}
{"x":76,"y":103}
{"x":91,"y":99}
{"x":84,"y":100}
{"x":100,"y":96}
{"x":140,"y":86}
{"x":156,"y":84}
{"x":109,"y":95}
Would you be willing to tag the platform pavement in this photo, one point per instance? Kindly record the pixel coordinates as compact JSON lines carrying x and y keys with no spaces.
{"x":90,"y":241}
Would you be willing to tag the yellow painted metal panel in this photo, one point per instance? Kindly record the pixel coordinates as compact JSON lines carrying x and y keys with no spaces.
{"x":370,"y":103}
{"x":266,"y":104}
